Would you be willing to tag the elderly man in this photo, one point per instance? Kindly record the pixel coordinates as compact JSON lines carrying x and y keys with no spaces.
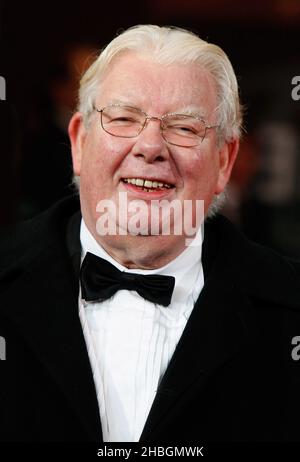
{"x":118,"y":330}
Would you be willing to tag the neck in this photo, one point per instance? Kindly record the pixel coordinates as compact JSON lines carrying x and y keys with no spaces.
{"x":142,"y":252}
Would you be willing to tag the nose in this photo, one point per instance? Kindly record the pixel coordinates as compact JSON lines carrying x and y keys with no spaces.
{"x":150,"y":144}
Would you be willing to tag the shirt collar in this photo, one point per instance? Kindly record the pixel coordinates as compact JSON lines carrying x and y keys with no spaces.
{"x":177,"y":267}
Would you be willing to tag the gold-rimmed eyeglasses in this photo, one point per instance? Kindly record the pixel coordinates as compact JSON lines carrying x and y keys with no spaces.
{"x":177,"y":129}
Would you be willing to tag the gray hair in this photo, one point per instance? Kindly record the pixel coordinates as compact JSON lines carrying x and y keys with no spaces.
{"x":171,"y":45}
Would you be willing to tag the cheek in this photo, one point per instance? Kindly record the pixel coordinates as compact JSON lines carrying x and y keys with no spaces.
{"x":101,"y":166}
{"x":201,"y":173}
{"x":98,"y":159}
{"x":107,"y":154}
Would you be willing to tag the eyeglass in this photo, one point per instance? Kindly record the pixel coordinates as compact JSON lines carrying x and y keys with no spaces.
{"x":176,"y":129}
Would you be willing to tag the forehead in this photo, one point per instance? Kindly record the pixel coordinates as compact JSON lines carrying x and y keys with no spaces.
{"x":139,"y":81}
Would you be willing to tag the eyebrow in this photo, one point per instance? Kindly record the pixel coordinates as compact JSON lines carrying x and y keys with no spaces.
{"x":121,"y":102}
{"x":190,"y":110}
{"x":194,"y":111}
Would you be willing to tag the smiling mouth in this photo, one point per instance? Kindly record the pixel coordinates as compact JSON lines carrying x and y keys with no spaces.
{"x":148,"y":185}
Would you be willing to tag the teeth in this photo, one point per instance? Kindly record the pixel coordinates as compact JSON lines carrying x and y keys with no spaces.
{"x":146,"y":184}
{"x":139,"y":182}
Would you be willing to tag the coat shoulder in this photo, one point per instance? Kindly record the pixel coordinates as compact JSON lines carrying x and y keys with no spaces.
{"x":258,"y":270}
{"x":20,"y":243}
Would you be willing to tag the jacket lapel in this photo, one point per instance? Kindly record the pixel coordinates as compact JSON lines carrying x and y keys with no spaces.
{"x":49,"y":322}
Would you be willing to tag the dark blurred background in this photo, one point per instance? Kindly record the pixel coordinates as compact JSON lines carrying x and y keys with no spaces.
{"x":44,"y":48}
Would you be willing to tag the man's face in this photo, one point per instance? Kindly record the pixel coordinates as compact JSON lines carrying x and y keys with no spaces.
{"x":104,"y":161}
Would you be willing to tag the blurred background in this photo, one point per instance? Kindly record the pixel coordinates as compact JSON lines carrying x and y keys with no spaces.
{"x":44,"y":49}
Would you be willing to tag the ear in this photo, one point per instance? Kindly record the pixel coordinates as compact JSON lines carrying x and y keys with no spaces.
{"x":77,"y":134}
{"x":227,"y":156}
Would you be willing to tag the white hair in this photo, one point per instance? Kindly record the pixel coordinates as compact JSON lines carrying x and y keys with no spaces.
{"x":171,"y":45}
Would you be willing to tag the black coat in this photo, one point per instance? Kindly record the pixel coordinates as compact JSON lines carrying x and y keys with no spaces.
{"x":231,"y":378}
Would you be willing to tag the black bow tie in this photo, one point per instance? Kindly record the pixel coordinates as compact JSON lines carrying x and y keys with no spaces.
{"x":100,"y":280}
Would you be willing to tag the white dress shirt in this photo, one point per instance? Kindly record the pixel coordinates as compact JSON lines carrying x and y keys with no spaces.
{"x":130,"y":340}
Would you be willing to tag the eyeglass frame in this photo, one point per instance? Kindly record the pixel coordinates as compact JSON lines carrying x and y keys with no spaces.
{"x":147,"y":118}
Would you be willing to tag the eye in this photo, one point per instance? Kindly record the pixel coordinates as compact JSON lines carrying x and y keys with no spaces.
{"x":183,"y":129}
{"x":124,"y":119}
{"x":121,"y":116}
{"x":186,"y":128}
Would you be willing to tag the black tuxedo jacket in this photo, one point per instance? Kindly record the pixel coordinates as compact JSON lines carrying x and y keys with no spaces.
{"x":232,"y":376}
